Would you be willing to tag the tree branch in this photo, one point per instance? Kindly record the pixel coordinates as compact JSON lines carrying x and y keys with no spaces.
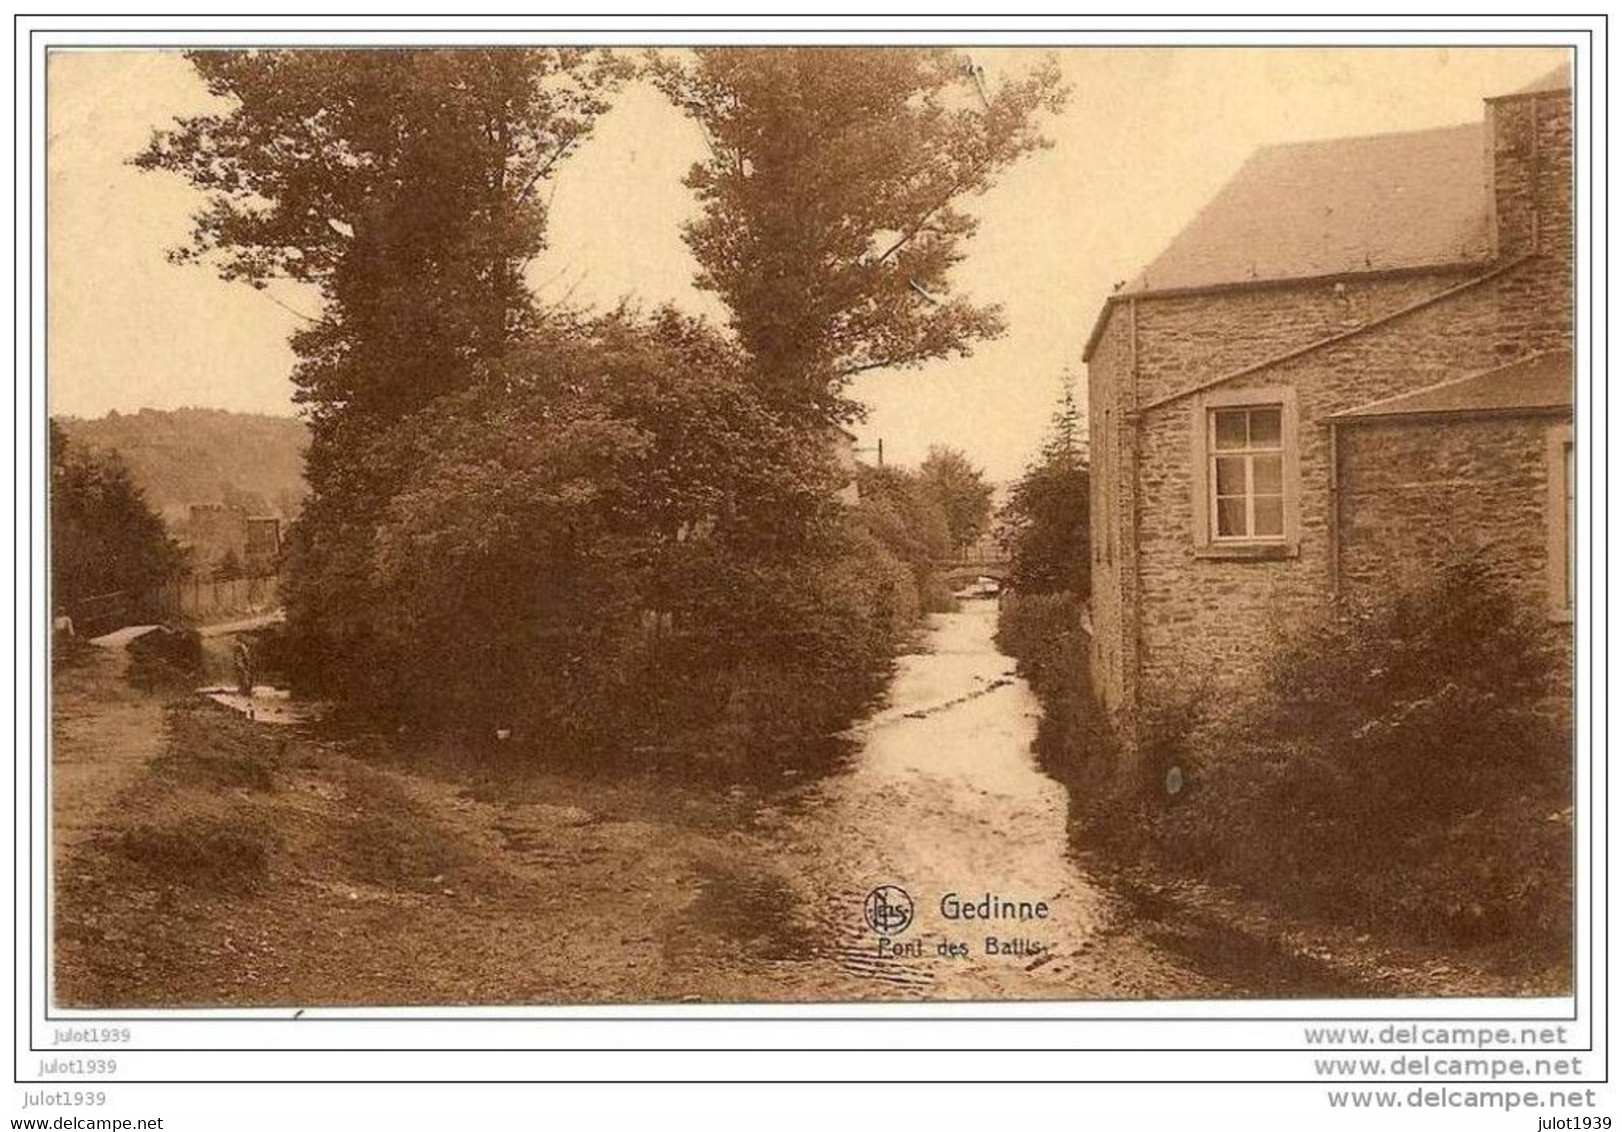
{"x":880,"y":363}
{"x":922,"y":222}
{"x":545,"y":168}
{"x":288,"y":309}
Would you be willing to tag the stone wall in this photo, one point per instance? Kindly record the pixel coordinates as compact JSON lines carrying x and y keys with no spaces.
{"x":1417,"y":492}
{"x":1186,"y":340}
{"x":1109,"y":405}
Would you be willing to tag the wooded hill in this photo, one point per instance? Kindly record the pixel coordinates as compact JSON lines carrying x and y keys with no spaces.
{"x":185,"y":456}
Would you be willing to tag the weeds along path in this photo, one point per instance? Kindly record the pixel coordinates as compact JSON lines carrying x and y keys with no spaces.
{"x":239,"y":864}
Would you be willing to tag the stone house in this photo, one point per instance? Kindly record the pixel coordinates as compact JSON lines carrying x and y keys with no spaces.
{"x":1354,"y":363}
{"x":215,"y":533}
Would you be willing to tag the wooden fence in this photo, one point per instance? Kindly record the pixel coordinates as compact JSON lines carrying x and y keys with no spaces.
{"x":209,"y":599}
{"x":195,"y":600}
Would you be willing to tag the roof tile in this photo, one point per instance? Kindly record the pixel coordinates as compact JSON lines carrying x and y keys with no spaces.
{"x":1337,"y":207}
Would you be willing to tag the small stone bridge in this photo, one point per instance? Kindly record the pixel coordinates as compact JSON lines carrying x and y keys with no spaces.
{"x":959,"y":572}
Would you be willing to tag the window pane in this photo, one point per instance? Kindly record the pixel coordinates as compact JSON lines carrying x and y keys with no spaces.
{"x":1229,"y":428}
{"x":1266,"y":428}
{"x":1269,"y":516}
{"x":1269,"y":475}
{"x":1230,"y":475}
{"x":1230,"y":517}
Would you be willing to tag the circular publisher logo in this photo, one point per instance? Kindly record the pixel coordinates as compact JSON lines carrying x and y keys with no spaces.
{"x":888,"y":909}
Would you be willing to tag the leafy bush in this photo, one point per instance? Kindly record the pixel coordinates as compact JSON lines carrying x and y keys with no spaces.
{"x":901,"y":512}
{"x":935,"y":596}
{"x":165,"y":657}
{"x":609,"y":542}
{"x":1074,"y":742}
{"x":788,"y":650}
{"x":1405,"y":768}
{"x":1044,"y":633}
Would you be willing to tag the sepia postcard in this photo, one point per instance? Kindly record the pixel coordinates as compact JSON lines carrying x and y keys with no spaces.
{"x":569,"y":524}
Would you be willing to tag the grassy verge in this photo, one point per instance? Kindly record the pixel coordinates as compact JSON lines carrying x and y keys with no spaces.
{"x":242,"y":864}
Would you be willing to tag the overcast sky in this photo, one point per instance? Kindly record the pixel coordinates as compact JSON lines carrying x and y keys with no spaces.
{"x":1149,"y":136}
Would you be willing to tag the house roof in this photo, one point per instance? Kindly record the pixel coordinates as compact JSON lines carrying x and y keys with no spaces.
{"x":1337,"y":207}
{"x":1557,"y":79}
{"x":1346,"y":206}
{"x":1537,"y":383}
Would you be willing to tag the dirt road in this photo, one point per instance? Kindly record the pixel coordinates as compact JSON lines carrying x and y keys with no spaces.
{"x":103,"y":734}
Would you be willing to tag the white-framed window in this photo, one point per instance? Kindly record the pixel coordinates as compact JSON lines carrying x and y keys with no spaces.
{"x":1246,"y":480}
{"x":1562,"y":522}
{"x":1246,"y":454}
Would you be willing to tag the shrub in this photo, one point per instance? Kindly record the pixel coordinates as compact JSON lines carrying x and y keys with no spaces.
{"x":935,"y":596}
{"x":610,"y":543}
{"x":794,"y":649}
{"x":898,"y":510}
{"x":1075,"y":744}
{"x":1171,"y":740}
{"x":201,"y":851}
{"x":1402,"y":771}
{"x":165,"y":657}
{"x":1403,"y":768}
{"x":1044,"y":633}
{"x":1450,"y":678}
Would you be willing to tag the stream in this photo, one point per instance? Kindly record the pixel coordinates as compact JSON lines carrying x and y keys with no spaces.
{"x":942,"y":810}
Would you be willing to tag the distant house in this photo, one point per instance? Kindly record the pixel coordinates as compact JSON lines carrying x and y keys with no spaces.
{"x":216,"y":533}
{"x":262,"y":543}
{"x":842,"y":443}
{"x":1354,"y":363}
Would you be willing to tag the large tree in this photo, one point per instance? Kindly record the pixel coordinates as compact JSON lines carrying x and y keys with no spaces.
{"x":961,"y":490}
{"x":406,"y":187}
{"x":833,"y":202}
{"x":105,"y":539}
{"x":903,"y":514}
